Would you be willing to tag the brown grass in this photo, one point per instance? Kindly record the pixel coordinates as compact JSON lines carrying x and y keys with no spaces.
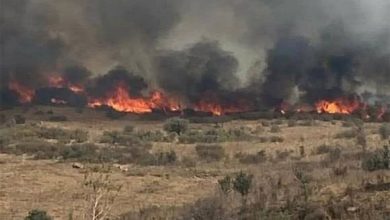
{"x":56,"y":187}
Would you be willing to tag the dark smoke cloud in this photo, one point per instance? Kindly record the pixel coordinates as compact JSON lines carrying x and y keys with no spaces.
{"x":200,"y":69}
{"x":297,"y":49}
{"x":107,"y":83}
{"x":28,"y":49}
{"x":76,"y":74}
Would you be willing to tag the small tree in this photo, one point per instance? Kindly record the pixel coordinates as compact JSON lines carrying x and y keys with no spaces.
{"x":37,"y":214}
{"x":176,"y":125}
{"x":242,"y":184}
{"x":100,"y":194}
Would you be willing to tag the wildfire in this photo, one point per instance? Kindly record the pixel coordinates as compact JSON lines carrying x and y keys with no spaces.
{"x":120,"y":100}
{"x":25,"y":93}
{"x":217,"y":109}
{"x":58,"y":81}
{"x":338,"y":106}
{"x":213,"y":108}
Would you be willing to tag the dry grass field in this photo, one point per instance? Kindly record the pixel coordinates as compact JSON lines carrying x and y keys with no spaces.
{"x":296,"y":169}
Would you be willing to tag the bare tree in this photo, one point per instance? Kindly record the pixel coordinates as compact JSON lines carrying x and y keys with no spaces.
{"x":100,"y":194}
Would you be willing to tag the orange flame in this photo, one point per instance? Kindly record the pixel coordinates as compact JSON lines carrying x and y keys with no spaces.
{"x":338,"y":106}
{"x":217,"y":109}
{"x":213,"y":108}
{"x":25,"y":93}
{"x":57,"y":81}
{"x":120,"y":100}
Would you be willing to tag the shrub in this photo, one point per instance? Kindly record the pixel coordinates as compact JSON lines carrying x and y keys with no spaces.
{"x":32,"y":147}
{"x":384,"y":131}
{"x":37,"y":215}
{"x":62,"y":135}
{"x":378,"y":160}
{"x":83,"y":152}
{"x":78,"y":135}
{"x":242,"y":183}
{"x":116,"y":137}
{"x":210,"y":152}
{"x":275,"y":129}
{"x":259,"y":157}
{"x":176,"y":125}
{"x":152,"y":136}
{"x":225,"y":184}
{"x":165,"y":158}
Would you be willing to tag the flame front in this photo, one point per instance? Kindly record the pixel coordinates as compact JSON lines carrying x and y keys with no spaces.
{"x":120,"y":100}
{"x":218,"y":109}
{"x":338,"y":106}
{"x":25,"y":93}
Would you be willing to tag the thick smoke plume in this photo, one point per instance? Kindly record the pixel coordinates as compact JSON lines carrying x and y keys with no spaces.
{"x":257,"y":52}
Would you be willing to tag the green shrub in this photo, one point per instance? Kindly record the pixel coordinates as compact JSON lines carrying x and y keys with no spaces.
{"x":37,"y":214}
{"x":81,"y":152}
{"x":152,"y":136}
{"x":242,"y":183}
{"x":176,"y":125}
{"x":210,"y":152}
